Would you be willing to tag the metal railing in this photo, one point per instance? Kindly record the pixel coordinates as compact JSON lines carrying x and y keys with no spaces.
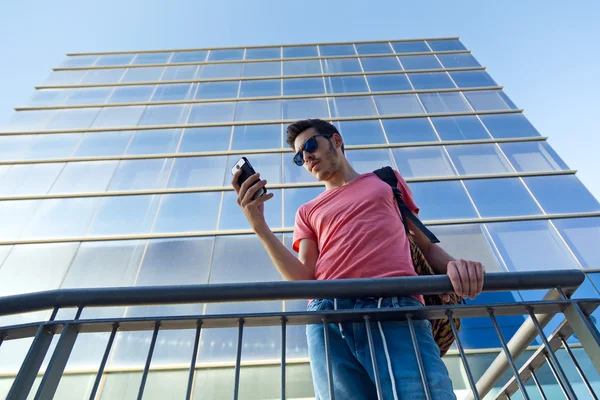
{"x":561,"y":284}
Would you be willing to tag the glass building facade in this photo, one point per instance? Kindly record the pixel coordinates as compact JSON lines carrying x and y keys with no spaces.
{"x":117,"y":173}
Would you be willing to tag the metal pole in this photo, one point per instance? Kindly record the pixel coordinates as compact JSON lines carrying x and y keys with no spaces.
{"x":238,"y":360}
{"x":148,"y":360}
{"x":188,"y":393}
{"x":413,"y":335}
{"x":555,"y":373}
{"x":538,"y":384}
{"x":463,"y":357}
{"x":579,"y":369}
{"x":283,"y":353}
{"x":328,"y":359}
{"x":111,"y":339}
{"x":373,"y":357}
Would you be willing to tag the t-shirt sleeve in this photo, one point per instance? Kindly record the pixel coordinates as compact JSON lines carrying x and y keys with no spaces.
{"x":302,"y":229}
{"x":407,"y":195}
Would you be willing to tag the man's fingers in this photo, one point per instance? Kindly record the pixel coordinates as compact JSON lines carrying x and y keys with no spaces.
{"x":234,"y":180}
{"x":247,"y":198}
{"x":263,"y":198}
{"x":480,"y":277}
{"x":445,"y":297}
{"x":473,"y":279}
{"x":455,"y":277}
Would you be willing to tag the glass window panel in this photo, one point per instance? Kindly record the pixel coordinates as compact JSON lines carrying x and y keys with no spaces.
{"x":183,"y":91}
{"x":49,"y":97}
{"x":74,"y":118}
{"x":503,"y":126}
{"x":205,"y":139}
{"x":118,"y":116}
{"x":115,"y":59}
{"x":346,"y":84}
{"x":530,"y":246}
{"x":13,"y":147}
{"x":300,"y":51}
{"x":433,"y":80}
{"x":372,"y":64}
{"x":211,"y":112}
{"x":253,"y":137}
{"x":340,"y":65}
{"x":386,"y":83}
{"x":304,"y":67}
{"x":15,"y":215}
{"x":364,"y":161}
{"x":131,"y":94}
{"x":419,"y":62}
{"x":458,"y":60}
{"x":179,"y":73}
{"x":293,"y":173}
{"x":57,"y":78}
{"x":472,"y":79}
{"x":260,"y":88}
{"x":460,"y":128}
{"x":489,"y":100}
{"x":198,"y":172}
{"x":152,"y":58}
{"x":28,"y":120}
{"x":410,"y":47}
{"x":446,"y":45}
{"x":78,"y":61}
{"x":352,"y":106}
{"x":478,"y":159}
{"x":188,"y":56}
{"x":533,"y":157}
{"x":124,"y":215}
{"x":188,"y":212}
{"x":46,"y":262}
{"x":373,"y":48}
{"x":263,"y":110}
{"x":154,"y":141}
{"x":416,"y":162}
{"x":336,"y":50}
{"x":96,"y":144}
{"x":263,"y":53}
{"x":409,"y":130}
{"x":61,"y":218}
{"x":53,"y":146}
{"x":268,"y":165}
{"x":362,"y":132}
{"x":442,"y":200}
{"x":305,"y":108}
{"x":506,"y":197}
{"x":165,"y":115}
{"x":444,"y":102}
{"x":215,"y":90}
{"x":562,"y":194}
{"x":293,"y":199}
{"x":143,"y":74}
{"x":27,"y":179}
{"x":79,"y":177}
{"x":232,"y":216}
{"x":300,"y":86}
{"x":398,"y":104}
{"x":141,"y":174}
{"x":98,"y":76}
{"x":272,"y":68}
{"x":582,"y":236}
{"x":216,"y":71}
{"x":226,"y":55}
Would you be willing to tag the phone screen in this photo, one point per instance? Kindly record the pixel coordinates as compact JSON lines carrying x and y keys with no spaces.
{"x":247,"y":172}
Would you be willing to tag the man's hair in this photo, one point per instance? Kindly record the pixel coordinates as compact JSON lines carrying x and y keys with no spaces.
{"x":295,"y":129}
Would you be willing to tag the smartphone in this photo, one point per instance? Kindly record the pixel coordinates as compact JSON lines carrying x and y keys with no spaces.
{"x":247,"y":172}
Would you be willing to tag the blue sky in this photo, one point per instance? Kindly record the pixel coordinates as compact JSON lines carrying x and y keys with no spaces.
{"x":545,"y":54}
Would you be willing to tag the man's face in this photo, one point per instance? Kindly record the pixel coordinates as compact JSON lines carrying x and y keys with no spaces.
{"x":324,"y":161}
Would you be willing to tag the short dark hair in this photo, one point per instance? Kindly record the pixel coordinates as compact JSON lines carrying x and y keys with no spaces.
{"x":295,"y":129}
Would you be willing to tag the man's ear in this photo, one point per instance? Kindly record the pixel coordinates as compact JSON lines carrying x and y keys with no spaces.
{"x":337,"y":140}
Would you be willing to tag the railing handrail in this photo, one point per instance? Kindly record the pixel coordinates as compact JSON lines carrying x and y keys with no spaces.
{"x":286,"y":290}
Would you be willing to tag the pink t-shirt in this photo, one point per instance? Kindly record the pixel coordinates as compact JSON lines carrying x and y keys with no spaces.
{"x":358,"y":230}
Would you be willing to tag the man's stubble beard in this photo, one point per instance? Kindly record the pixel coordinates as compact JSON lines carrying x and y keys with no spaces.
{"x":333,"y":164}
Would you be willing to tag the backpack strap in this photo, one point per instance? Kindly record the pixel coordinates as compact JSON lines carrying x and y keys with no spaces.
{"x":387,"y":175}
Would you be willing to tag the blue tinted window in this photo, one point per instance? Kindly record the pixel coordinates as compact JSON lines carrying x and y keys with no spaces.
{"x":562,"y":194}
{"x":53,"y":146}
{"x":364,"y":161}
{"x":410,"y":47}
{"x":533,"y":156}
{"x":216,"y":71}
{"x":96,"y":144}
{"x":444,"y":102}
{"x":387,"y":83}
{"x":409,"y":130}
{"x":141,"y":174}
{"x":489,"y":100}
{"x":197,"y":172}
{"x":89,"y":96}
{"x":152,"y":58}
{"x":142,"y":74}
{"x":374,"y":48}
{"x":26,"y":179}
{"x":79,"y":177}
{"x":300,"y":51}
{"x":398,"y":104}
{"x":118,"y":116}
{"x":501,"y":197}
{"x":460,"y":128}
{"x":268,"y":165}
{"x":442,"y":200}
{"x":215,"y":90}
{"x":232,"y":216}
{"x":264,"y":110}
{"x":261,"y":88}
{"x":205,"y":139}
{"x":154,"y":141}
{"x":61,"y":218}
{"x":188,"y":56}
{"x":346,"y":84}
{"x":465,"y":60}
{"x":179,"y":73}
{"x":12,"y":147}
{"x":362,"y":132}
{"x":263,"y":53}
{"x":183,"y":91}
{"x":131,"y":94}
{"x":341,"y":65}
{"x":419,"y":62}
{"x":424,"y":161}
{"x":303,"y":67}
{"x":509,"y":126}
{"x":446,"y":45}
{"x":249,"y":137}
{"x":583,"y":236}
{"x":352,"y":106}
{"x":373,"y":64}
{"x":225,"y":55}
{"x":49,"y":97}
{"x":293,"y":199}
{"x":180,"y":213}
{"x":65,"y":77}
{"x":112,"y":75}
{"x":478,"y":159}
{"x":79,"y":61}
{"x":472,"y":79}
{"x":337,"y":50}
{"x":305,"y":108}
{"x":124,"y":215}
{"x":116,"y":59}
{"x":301,"y":86}
{"x":75,"y":118}
{"x":272,"y":68}
{"x":434,"y":80}
{"x":211,"y":112}
{"x":165,"y":115}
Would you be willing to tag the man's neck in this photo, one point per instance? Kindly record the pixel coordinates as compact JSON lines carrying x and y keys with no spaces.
{"x":342,"y":177}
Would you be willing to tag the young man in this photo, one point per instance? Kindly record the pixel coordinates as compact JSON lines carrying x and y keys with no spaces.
{"x":354,"y":230}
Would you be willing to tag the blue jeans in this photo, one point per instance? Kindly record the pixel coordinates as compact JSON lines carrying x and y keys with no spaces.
{"x":353,"y":375}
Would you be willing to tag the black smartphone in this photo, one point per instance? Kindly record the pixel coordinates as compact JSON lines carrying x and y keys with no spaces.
{"x":247,"y":172}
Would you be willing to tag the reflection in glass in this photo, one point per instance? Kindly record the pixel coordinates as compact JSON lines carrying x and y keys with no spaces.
{"x":188,"y":212}
{"x":232,"y":216}
{"x":261,"y":110}
{"x":99,"y":76}
{"x":263,"y":53}
{"x":260,"y":88}
{"x":509,"y":126}
{"x":118,"y":116}
{"x":373,"y":48}
{"x":305,"y":108}
{"x":460,"y":128}
{"x":346,"y":84}
{"x":533,"y":157}
{"x":78,"y":61}
{"x":410,"y":47}
{"x":124,"y":215}
{"x":141,"y":174}
{"x":341,"y":65}
{"x":74,"y":118}
{"x":489,"y":100}
{"x":205,"y":139}
{"x":253,"y":137}
{"x":115,"y":59}
{"x":419,"y":62}
{"x":179,"y":73}
{"x":562,"y":194}
{"x":415,"y":162}
{"x":582,"y":236}
{"x":300,"y":86}
{"x":442,"y":200}
{"x":154,"y":141}
{"x":27,"y":179}
{"x":111,"y":143}
{"x":506,"y":197}
{"x":211,"y":112}
{"x":13,"y":147}
{"x":57,"y":78}
{"x":215,"y":71}
{"x":293,"y":199}
{"x":472,"y":79}
{"x":362,"y":132}
{"x":364,"y":161}
{"x":293,"y":173}
{"x":216,"y":90}
{"x":300,"y":51}
{"x":15,"y":214}
{"x":478,"y":159}
{"x":446,"y":45}
{"x":336,"y":50}
{"x":152,"y":58}
{"x":352,"y":106}
{"x":409,"y":130}
{"x":303,"y":67}
{"x":131,"y":94}
{"x":184,"y":91}
{"x":464,"y":60}
{"x":225,"y":55}
{"x":29,"y":120}
{"x":197,"y":172}
{"x":79,"y":177}
{"x":142,"y":74}
{"x":271,"y":68}
{"x":444,"y":102}
{"x":386,"y":83}
{"x":165,"y":115}
{"x":398,"y":104}
{"x":431,"y":80}
{"x":373,"y":64}
{"x":53,"y":146}
{"x":49,"y":97}
{"x":188,"y":56}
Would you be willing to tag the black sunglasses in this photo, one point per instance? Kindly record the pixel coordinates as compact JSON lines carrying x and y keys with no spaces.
{"x":311,"y":145}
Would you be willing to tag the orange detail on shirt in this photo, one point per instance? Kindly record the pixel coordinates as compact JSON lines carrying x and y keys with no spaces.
{"x":358,"y":230}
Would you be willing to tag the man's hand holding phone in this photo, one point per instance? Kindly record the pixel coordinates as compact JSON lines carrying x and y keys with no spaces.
{"x":252,"y":193}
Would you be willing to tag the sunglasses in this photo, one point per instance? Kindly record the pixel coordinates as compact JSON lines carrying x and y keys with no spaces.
{"x":311,"y":145}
